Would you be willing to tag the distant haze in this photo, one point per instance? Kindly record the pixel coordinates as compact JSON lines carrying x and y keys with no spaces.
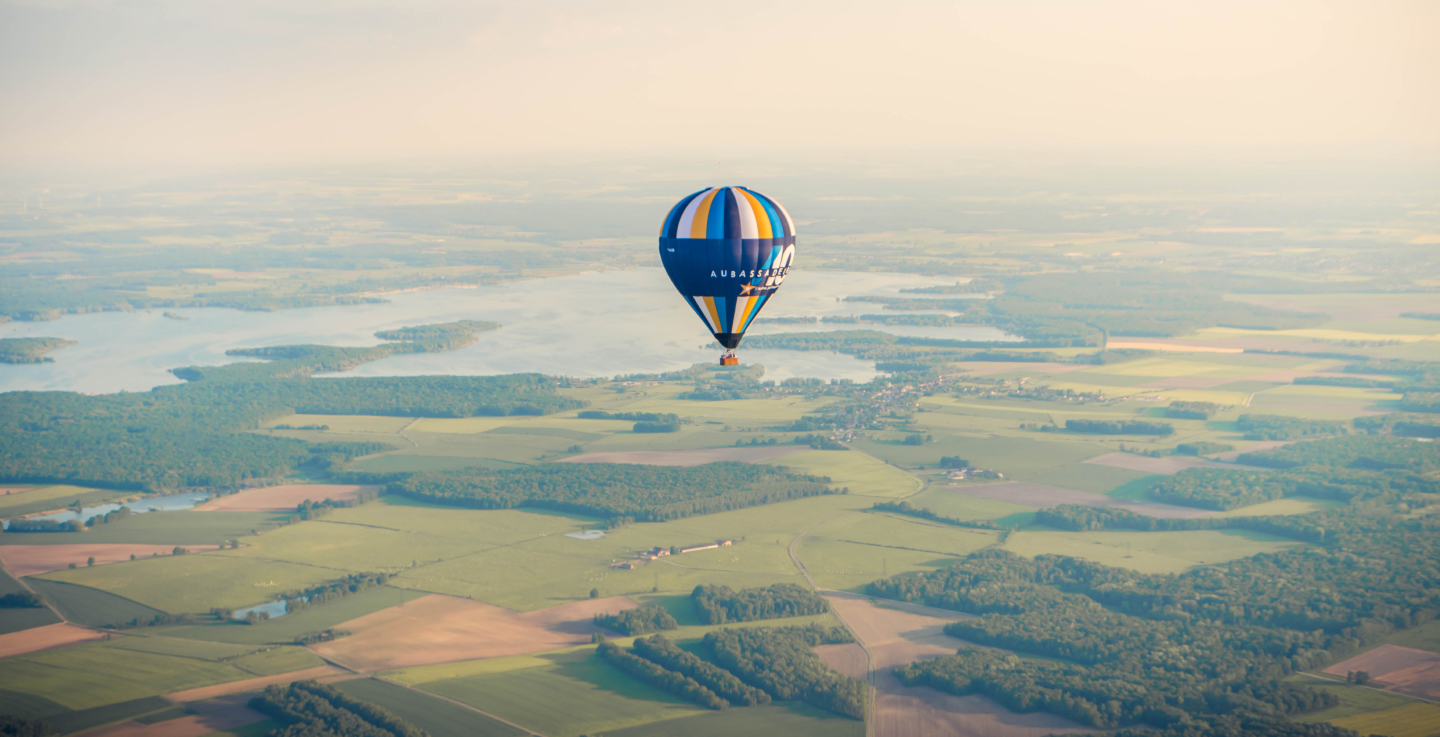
{"x":337,"y":80}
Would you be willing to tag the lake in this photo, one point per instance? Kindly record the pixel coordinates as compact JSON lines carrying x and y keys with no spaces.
{"x":597,"y":324}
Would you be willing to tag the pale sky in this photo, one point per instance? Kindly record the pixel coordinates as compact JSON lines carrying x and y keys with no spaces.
{"x":351,"y":80}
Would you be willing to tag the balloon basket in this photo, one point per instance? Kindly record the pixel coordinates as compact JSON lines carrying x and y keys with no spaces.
{"x":729,"y":359}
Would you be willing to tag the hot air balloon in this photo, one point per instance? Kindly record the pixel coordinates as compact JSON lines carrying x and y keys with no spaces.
{"x":727,"y":249}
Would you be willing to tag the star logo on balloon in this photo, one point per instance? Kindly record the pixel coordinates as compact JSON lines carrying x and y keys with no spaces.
{"x":745,"y":289}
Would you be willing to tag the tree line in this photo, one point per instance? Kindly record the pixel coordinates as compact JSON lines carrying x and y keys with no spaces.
{"x":638,"y":621}
{"x":661,"y":651}
{"x":722,"y":604}
{"x":310,"y":709}
{"x":615,"y":490}
{"x":659,"y":676}
{"x":779,"y":661}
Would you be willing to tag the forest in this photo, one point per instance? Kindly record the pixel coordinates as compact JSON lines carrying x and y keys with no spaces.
{"x":722,"y":604}
{"x":29,"y":350}
{"x":643,"y":493}
{"x":310,"y":709}
{"x":660,"y":650}
{"x":1279,"y":427}
{"x":1120,"y":427}
{"x":659,"y":676}
{"x":778,"y":660}
{"x":638,"y":621}
{"x":193,"y":434}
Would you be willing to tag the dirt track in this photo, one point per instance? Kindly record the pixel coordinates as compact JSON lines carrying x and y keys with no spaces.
{"x":1401,"y":669}
{"x":689,"y":457}
{"x":282,"y":498}
{"x":443,"y":629}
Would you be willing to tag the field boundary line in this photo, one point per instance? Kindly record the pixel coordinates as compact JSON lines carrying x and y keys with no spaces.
{"x":457,"y":703}
{"x":1336,"y":679}
{"x":869,"y":656}
{"x":36,"y":594}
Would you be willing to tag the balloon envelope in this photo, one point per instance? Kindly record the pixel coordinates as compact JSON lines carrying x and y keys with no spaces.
{"x":727,"y":249}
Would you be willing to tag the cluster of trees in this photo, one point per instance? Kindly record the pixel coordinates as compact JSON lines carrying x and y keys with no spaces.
{"x":1280,"y":427}
{"x":447,"y":334}
{"x":655,"y":427}
{"x":1365,"y":453}
{"x":648,"y":671}
{"x":953,"y":462}
{"x":908,"y":509}
{"x":638,"y":621}
{"x":664,"y":418}
{"x":1400,"y":423}
{"x":819,"y":442}
{"x":1202,"y":448}
{"x":18,"y":726}
{"x":721,"y":604}
{"x":192,"y":434}
{"x":611,"y":490}
{"x":1191,"y":410}
{"x":21,"y":524}
{"x":339,"y":589}
{"x":1102,"y":698}
{"x":310,"y":709}
{"x":20,"y":600}
{"x":1351,"y":381}
{"x":1120,"y":427}
{"x":30,"y":350}
{"x":1221,"y":489}
{"x":779,"y":661}
{"x":665,"y":653}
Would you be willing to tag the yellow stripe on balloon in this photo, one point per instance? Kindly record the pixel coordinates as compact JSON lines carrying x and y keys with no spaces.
{"x":744,"y":316}
{"x":714,"y":314}
{"x":762,"y":218}
{"x":702,"y":217}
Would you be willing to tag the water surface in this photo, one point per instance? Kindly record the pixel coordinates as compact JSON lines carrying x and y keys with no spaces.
{"x":587,"y":325}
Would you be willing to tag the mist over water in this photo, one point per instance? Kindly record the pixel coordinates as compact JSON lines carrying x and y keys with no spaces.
{"x":587,"y":325}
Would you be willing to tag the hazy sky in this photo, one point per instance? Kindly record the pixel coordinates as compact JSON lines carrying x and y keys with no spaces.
{"x":273,"y":80}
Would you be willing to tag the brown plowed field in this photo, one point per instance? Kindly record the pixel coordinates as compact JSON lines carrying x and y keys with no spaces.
{"x":28,"y":560}
{"x":251,"y":684}
{"x":848,"y":659}
{"x":1145,"y":464}
{"x":220,"y":715}
{"x":44,"y":638}
{"x":282,"y":498}
{"x":688,"y":457}
{"x":1039,"y":495}
{"x":1400,"y":669}
{"x":442,"y":629}
{"x":897,"y":634}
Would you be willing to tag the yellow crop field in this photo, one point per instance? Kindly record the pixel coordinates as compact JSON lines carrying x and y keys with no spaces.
{"x":1411,"y":720}
{"x":1171,"y":367}
{"x":1312,"y":334}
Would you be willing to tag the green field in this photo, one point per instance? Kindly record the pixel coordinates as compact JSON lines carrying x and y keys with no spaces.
{"x":288,"y":628}
{"x":1149,"y":552}
{"x":52,"y":498}
{"x":438,"y":717}
{"x":856,"y":471}
{"x":97,"y":674}
{"x":787,"y":718}
{"x":91,"y":607}
{"x":15,"y":620}
{"x":1412,"y":720}
{"x":564,"y":694}
{"x":197,"y":582}
{"x":166,"y":528}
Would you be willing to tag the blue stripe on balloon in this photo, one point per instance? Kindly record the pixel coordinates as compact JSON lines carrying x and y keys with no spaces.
{"x":672,"y":221}
{"x":732,"y":215}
